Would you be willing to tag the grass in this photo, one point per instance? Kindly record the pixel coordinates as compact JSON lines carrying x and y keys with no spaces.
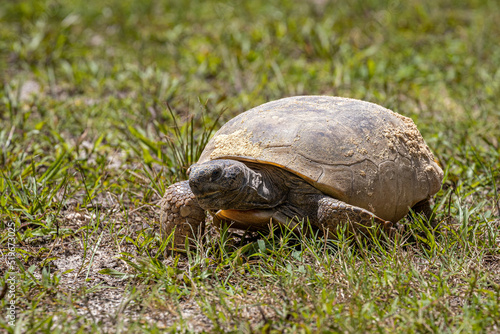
{"x":104,"y":104}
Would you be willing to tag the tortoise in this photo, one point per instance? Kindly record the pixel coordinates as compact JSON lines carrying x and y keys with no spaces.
{"x":338,"y":162}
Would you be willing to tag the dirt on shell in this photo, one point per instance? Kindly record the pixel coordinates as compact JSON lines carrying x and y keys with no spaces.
{"x":409,"y":136}
{"x":236,"y":144}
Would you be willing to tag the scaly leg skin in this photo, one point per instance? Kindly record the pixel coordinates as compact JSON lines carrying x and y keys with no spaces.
{"x":333,"y":213}
{"x":180,"y":210}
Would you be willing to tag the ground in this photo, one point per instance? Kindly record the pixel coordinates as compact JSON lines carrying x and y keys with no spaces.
{"x":104,"y":104}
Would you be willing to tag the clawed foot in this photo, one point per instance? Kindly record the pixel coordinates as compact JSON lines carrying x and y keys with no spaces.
{"x":181,"y":214}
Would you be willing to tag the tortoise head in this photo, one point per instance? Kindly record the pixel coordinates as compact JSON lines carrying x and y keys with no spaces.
{"x":215,"y":182}
{"x":230,"y":184}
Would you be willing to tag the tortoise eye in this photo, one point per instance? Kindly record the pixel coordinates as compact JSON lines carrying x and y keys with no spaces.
{"x":216,"y":173}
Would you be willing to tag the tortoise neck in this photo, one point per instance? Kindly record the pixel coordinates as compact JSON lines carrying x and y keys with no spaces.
{"x":262,"y":189}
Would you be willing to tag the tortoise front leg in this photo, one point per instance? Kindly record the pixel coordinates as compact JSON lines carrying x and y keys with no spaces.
{"x":333,"y":214}
{"x":180,"y":210}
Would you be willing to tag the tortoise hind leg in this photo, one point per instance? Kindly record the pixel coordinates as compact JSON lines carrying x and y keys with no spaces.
{"x":424,"y":208}
{"x":333,"y":213}
{"x":180,"y":211}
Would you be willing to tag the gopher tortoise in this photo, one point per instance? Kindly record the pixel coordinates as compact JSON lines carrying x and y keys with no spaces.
{"x":334,"y":161}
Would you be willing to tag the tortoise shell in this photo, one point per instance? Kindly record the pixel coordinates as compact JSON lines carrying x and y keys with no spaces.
{"x":352,"y":150}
